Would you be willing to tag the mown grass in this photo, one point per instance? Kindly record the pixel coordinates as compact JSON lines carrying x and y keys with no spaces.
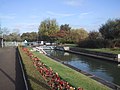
{"x":70,"y":45}
{"x":73,"y":77}
{"x":108,"y":50}
{"x":35,"y":80}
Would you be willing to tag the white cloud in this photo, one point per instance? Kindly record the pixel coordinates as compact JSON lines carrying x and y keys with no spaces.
{"x":27,"y":27}
{"x":59,"y":14}
{"x":73,"y":2}
{"x":83,"y":15}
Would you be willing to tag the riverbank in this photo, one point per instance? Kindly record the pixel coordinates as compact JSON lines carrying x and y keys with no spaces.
{"x":110,"y":50}
{"x":107,"y":83}
{"x":73,"y":77}
{"x":92,"y":53}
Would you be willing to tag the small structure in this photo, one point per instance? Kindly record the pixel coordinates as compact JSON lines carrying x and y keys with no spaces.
{"x":25,"y":42}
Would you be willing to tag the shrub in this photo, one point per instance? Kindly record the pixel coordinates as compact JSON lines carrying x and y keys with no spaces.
{"x":94,"y":43}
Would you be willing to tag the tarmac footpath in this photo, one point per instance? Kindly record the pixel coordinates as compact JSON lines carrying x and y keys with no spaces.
{"x":11,"y":77}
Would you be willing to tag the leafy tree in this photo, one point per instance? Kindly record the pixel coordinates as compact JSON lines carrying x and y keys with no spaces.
{"x":65,"y":27}
{"x":62,"y":36}
{"x":12,"y":37}
{"x":78,"y":35}
{"x":72,"y":36}
{"x":32,"y":36}
{"x":111,"y":29}
{"x":94,"y":35}
{"x":47,"y":29}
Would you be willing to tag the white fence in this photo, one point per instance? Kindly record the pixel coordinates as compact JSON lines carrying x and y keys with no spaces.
{"x":7,"y":44}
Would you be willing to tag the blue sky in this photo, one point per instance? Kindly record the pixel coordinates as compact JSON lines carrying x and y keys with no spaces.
{"x":26,"y":15}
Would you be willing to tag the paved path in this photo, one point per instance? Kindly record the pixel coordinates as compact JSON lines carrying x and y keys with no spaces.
{"x":10,"y":71}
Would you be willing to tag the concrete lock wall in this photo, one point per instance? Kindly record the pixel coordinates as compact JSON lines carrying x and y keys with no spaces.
{"x":101,"y":55}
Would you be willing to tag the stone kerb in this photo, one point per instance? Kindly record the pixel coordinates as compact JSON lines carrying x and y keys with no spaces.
{"x":66,"y":48}
{"x":118,"y":57}
{"x":62,"y":48}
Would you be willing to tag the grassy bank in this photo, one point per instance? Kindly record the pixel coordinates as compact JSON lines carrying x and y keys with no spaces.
{"x":70,"y":45}
{"x":108,"y":50}
{"x":35,"y":80}
{"x":73,"y":77}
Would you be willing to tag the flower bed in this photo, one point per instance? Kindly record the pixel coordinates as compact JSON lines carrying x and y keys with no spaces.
{"x":51,"y":77}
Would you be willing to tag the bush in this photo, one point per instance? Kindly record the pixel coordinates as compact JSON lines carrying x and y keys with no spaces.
{"x":94,"y":43}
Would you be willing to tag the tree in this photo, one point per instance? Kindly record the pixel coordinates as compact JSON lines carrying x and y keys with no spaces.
{"x":32,"y":36}
{"x":3,"y":31}
{"x":111,"y":31}
{"x":47,"y":28}
{"x":78,"y":35}
{"x":62,"y":36}
{"x":94,"y":35}
{"x":12,"y":37}
{"x":65,"y":27}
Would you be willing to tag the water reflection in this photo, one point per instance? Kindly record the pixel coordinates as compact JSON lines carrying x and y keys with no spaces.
{"x":107,"y":70}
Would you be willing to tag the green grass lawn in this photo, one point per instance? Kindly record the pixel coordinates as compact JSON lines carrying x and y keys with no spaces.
{"x":35,"y":80}
{"x":70,"y":45}
{"x":73,"y":77}
{"x":108,"y":50}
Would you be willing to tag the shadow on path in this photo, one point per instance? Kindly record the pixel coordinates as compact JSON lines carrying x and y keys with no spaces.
{"x":7,"y":76}
{"x":39,"y":83}
{"x":19,"y":81}
{"x":10,"y":71}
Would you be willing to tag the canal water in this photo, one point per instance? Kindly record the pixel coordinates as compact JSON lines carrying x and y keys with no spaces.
{"x":104,"y":69}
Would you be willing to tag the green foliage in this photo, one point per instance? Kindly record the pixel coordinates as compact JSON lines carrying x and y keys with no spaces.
{"x":72,"y":36}
{"x":49,"y":31}
{"x":111,"y":29}
{"x":78,"y":35}
{"x":94,"y":43}
{"x":107,"y":37}
{"x":32,"y":36}
{"x":47,"y":28}
{"x":110,"y":50}
{"x":64,"y":36}
{"x":12,"y":37}
{"x":65,"y":27}
{"x":94,"y":35}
